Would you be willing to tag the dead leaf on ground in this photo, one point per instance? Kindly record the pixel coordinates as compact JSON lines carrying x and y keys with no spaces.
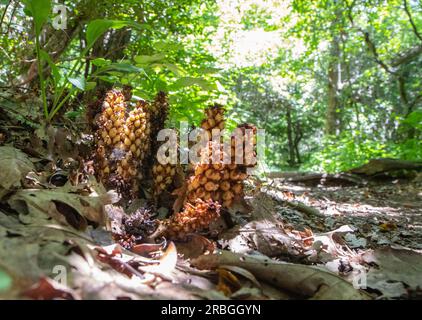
{"x":243,"y":272}
{"x":47,"y":289}
{"x":167,"y":263}
{"x":145,"y":249}
{"x":228,"y":283}
{"x":397,"y":270}
{"x":299,"y":279}
{"x":14,"y":166}
{"x":66,"y":207}
{"x":195,"y":246}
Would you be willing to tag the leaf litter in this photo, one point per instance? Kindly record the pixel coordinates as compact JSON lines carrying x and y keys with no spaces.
{"x":276,"y":248}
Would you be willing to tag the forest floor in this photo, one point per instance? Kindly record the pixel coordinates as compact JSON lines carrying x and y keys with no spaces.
{"x":383,"y":213}
{"x":287,"y":240}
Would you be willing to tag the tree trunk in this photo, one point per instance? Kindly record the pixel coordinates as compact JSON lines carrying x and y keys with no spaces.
{"x":332,"y":116}
{"x":298,"y":138}
{"x":291,"y":160}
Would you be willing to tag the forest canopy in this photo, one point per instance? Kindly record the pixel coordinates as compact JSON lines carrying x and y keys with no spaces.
{"x":333,"y":83}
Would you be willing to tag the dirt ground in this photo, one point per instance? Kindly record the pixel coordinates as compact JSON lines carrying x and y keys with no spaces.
{"x":383,"y":213}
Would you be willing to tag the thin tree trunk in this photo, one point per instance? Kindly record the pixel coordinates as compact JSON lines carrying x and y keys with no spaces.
{"x":298,"y":138}
{"x":332,"y":117}
{"x":290,"y":135}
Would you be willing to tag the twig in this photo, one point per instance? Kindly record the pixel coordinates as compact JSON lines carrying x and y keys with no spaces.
{"x":4,"y":13}
{"x":415,"y":30}
{"x":11,"y":17}
{"x":297,"y":205}
{"x":368,"y":41}
{"x":304,"y":208}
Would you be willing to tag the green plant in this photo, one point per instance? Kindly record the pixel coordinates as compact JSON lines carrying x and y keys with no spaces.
{"x":39,"y":10}
{"x":349,"y":150}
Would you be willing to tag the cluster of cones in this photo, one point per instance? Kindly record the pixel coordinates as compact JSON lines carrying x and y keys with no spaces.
{"x":222,"y":169}
{"x":126,"y":139}
{"x":217,"y":180}
{"x":195,"y":217}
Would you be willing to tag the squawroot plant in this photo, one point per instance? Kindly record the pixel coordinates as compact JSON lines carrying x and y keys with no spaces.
{"x":222,"y":182}
{"x":126,"y":143}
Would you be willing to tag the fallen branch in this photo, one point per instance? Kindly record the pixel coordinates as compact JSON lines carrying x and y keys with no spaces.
{"x":319,"y":178}
{"x":310,"y":211}
{"x":384,"y":165}
{"x":304,"y":208}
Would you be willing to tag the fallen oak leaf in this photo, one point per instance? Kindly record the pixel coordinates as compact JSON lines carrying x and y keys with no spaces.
{"x":14,"y":166}
{"x":65,"y":207}
{"x":194,"y":246}
{"x":47,"y":289}
{"x":96,"y":282}
{"x":167,"y":263}
{"x":71,"y":215}
{"x":300,"y":279}
{"x":117,"y":264}
{"x":144,"y":249}
{"x":243,"y":272}
{"x":389,"y":277}
{"x":228,"y":283}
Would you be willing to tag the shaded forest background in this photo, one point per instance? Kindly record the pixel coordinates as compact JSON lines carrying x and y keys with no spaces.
{"x":333,"y":83}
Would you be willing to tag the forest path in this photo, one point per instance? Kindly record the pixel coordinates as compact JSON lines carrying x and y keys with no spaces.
{"x":383,"y":213}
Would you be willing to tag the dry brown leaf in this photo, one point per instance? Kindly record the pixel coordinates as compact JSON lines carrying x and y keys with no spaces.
{"x":144,"y":249}
{"x":96,"y":282}
{"x":166,"y":264}
{"x":243,"y":272}
{"x":65,"y":207}
{"x":300,"y":279}
{"x":47,"y":289}
{"x":14,"y":166}
{"x":228,"y":283}
{"x":265,"y":236}
{"x":396,"y":267}
{"x":195,"y":246}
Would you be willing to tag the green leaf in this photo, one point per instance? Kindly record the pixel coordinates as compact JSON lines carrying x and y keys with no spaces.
{"x":99,"y":62}
{"x":97,"y":27}
{"x":39,"y":10}
{"x":169,"y":66}
{"x":109,"y":78}
{"x":173,"y":68}
{"x":79,"y":83}
{"x":144,"y":59}
{"x":162,"y":45}
{"x":125,"y":67}
{"x":5,"y":281}
{"x":140,"y":94}
{"x":120,"y":67}
{"x":414,"y":119}
{"x":190,"y":81}
{"x":209,"y":70}
{"x":90,"y":85}
{"x":55,"y":71}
